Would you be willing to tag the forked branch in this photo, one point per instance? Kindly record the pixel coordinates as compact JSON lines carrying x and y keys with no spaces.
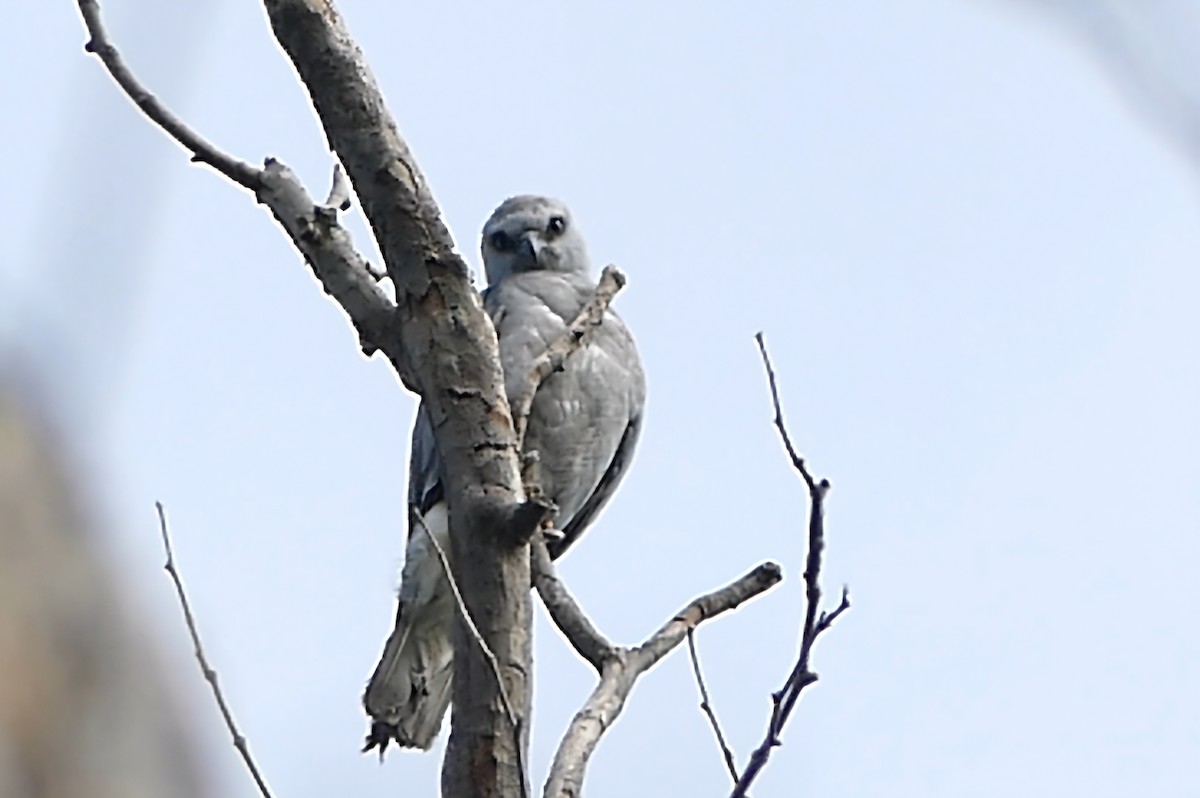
{"x":622,"y":669}
{"x":202,"y":150}
{"x":565,"y":611}
{"x":312,"y":228}
{"x":437,"y":338}
{"x":434,"y":334}
{"x":815,"y":621}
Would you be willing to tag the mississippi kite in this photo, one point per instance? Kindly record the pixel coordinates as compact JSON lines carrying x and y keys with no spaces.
{"x":584,"y":424}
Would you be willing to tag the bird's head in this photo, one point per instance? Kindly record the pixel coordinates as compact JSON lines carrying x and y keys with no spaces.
{"x":530,"y":233}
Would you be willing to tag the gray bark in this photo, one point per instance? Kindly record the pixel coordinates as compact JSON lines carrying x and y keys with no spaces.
{"x":441,"y":339}
{"x":443,"y":346}
{"x":620,"y":668}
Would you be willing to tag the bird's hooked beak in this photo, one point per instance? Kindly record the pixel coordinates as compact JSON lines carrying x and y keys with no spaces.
{"x":529,"y":251}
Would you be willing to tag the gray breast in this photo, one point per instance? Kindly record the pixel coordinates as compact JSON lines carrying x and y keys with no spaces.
{"x":585,"y":420}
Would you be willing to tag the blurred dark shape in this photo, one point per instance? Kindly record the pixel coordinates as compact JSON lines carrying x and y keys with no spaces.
{"x":84,"y":709}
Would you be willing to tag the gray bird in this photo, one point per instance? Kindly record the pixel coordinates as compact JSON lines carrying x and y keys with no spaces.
{"x":584,"y":424}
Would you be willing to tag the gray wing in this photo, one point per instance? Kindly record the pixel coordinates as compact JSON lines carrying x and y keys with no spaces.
{"x":424,"y":466}
{"x":604,"y":491}
{"x":585,"y":420}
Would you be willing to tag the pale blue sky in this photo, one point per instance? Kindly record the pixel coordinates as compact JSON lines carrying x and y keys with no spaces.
{"x":972,"y":250}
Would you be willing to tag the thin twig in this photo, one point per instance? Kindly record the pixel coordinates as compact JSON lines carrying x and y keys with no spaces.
{"x":202,"y":150}
{"x":623,"y":669}
{"x":565,"y":611}
{"x":801,"y":676}
{"x":827,"y":618}
{"x":509,"y":711}
{"x":706,"y":705}
{"x":797,"y":460}
{"x":415,"y":244}
{"x":313,"y":228}
{"x":210,"y":675}
{"x":612,"y":280}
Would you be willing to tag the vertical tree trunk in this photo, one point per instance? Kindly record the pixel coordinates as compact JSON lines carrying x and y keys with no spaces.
{"x":442,"y":344}
{"x":482,"y":756}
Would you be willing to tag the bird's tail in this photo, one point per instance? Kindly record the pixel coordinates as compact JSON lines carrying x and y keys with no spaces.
{"x":410,"y":690}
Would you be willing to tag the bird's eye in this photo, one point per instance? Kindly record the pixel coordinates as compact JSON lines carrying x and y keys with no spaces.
{"x":501,"y":241}
{"x":557,"y":225}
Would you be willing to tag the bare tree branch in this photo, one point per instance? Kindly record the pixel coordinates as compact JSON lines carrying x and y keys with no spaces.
{"x":591,"y":315}
{"x":621,"y":671}
{"x":566,"y":613}
{"x":314,"y":231}
{"x":441,"y":344}
{"x":612,"y":280}
{"x":784,"y":700}
{"x":391,"y":188}
{"x":210,"y":675}
{"x":450,"y":346}
{"x":343,"y":272}
{"x":513,"y":719}
{"x":707,"y":707}
{"x":436,"y":337}
{"x":202,"y":150}
{"x":797,"y":460}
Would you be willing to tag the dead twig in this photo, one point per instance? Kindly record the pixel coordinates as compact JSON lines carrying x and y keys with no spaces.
{"x":621,"y":670}
{"x":784,"y":700}
{"x":210,"y":675}
{"x":612,"y":280}
{"x":797,"y":460}
{"x":565,"y":611}
{"x":706,"y":705}
{"x":202,"y":150}
{"x":421,"y":261}
{"x":312,"y":228}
